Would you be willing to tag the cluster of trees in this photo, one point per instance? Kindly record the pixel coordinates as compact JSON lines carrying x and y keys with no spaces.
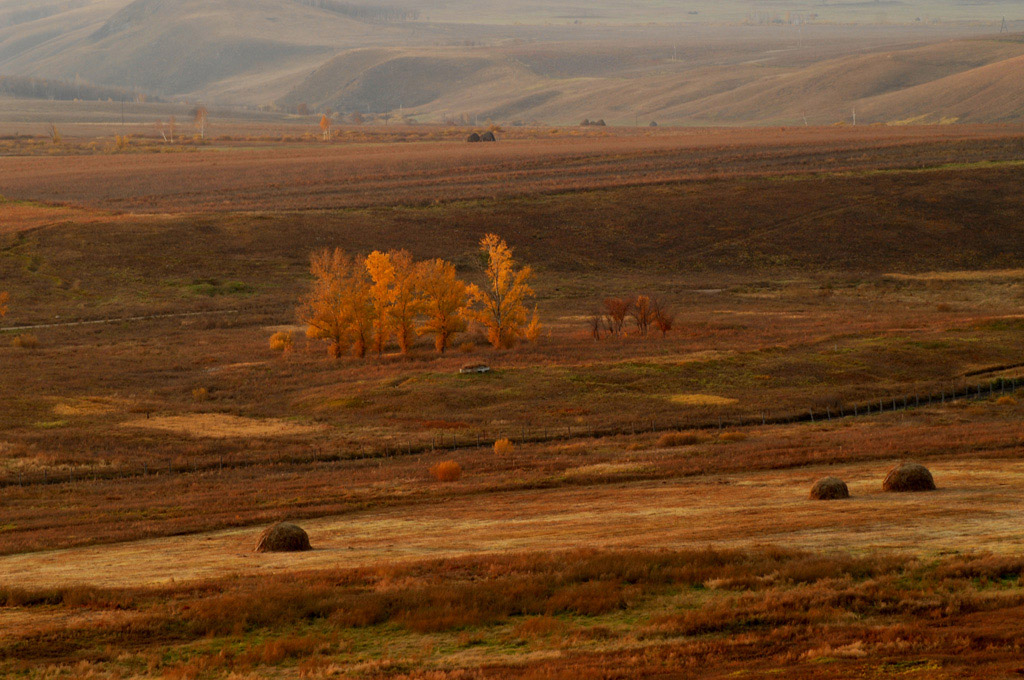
{"x":59,"y":90}
{"x":643,"y":312}
{"x":359,"y":305}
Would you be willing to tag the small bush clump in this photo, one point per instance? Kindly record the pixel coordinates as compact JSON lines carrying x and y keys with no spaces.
{"x":446,"y":471}
{"x":282,"y":341}
{"x":504,"y":447}
{"x":25,"y":341}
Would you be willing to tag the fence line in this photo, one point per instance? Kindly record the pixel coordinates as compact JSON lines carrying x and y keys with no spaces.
{"x":874,"y":406}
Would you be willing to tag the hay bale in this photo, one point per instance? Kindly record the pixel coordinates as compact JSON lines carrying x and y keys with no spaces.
{"x":283,"y":537}
{"x":474,"y":137}
{"x":829,"y":489}
{"x":909,"y":477}
{"x":488,"y":137}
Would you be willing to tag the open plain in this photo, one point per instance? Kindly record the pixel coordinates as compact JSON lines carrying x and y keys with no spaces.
{"x":845,"y":298}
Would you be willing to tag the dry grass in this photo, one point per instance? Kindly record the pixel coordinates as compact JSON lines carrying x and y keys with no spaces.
{"x":620,"y":613}
{"x":360,"y":175}
{"x":702,"y":400}
{"x":733,"y":510}
{"x":670,"y":439}
{"x":962,"y":276}
{"x":222,"y":426}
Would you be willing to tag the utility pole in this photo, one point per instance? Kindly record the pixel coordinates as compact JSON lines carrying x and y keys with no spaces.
{"x":855,"y":117}
{"x":1004,"y":28}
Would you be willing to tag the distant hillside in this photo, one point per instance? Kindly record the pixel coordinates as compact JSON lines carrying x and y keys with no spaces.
{"x":187,"y":47}
{"x":575,"y":62}
{"x":969,"y":80}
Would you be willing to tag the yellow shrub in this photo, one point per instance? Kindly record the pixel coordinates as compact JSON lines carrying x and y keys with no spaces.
{"x":504,"y":447}
{"x":282,"y":341}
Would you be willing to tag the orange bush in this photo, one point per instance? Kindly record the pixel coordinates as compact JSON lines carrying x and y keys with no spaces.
{"x":446,"y":471}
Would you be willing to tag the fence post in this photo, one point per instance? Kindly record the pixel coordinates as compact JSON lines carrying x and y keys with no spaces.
{"x":811,"y":411}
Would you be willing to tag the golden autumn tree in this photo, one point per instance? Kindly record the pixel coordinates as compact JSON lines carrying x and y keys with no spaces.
{"x":503,"y":301}
{"x":382,"y":294}
{"x":4,"y":297}
{"x":396,"y":299}
{"x":445,"y":299}
{"x":325,"y":126}
{"x":338,"y":308}
{"x":406,"y":300}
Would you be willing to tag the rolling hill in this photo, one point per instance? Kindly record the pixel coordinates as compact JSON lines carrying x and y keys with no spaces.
{"x":389,"y":56}
{"x":194,"y":48}
{"x":969,"y":80}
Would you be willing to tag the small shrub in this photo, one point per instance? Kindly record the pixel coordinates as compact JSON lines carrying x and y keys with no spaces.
{"x":467,"y":347}
{"x":446,"y":471}
{"x":504,"y":447}
{"x":25,"y":341}
{"x":1006,"y":401}
{"x":200,"y":394}
{"x":282,"y":341}
{"x":671,"y":439}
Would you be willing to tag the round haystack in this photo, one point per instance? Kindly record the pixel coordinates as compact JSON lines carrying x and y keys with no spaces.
{"x":909,"y":477}
{"x":474,"y":137}
{"x":283,"y":537}
{"x":488,"y":137}
{"x":829,"y":489}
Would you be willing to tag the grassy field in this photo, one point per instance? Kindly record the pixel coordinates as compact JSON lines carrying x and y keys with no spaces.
{"x":148,"y":432}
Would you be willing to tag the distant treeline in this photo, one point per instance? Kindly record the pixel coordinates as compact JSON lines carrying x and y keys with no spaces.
{"x":39,"y":88}
{"x":364,"y":12}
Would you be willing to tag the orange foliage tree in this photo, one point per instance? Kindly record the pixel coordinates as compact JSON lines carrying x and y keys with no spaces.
{"x":4,"y":297}
{"x":338,"y":308}
{"x":395,"y":296}
{"x":445,"y":299}
{"x":406,"y":299}
{"x":382,"y":275}
{"x":504,"y":313}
